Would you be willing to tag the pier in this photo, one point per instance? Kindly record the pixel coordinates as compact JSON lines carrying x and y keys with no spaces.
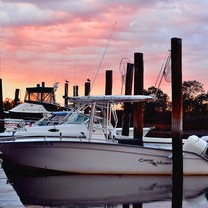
{"x":8,"y":196}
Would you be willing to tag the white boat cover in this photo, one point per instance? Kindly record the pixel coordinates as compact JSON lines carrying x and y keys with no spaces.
{"x":111,"y":98}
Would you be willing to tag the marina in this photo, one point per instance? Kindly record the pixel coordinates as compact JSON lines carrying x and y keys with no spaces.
{"x":81,"y":141}
{"x":93,"y":148}
{"x":84,"y":156}
{"x":89,"y":144}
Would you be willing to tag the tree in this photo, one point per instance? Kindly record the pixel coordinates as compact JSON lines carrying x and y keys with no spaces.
{"x":191,"y":90}
{"x":8,"y":104}
{"x":161,"y":104}
{"x":201,"y":102}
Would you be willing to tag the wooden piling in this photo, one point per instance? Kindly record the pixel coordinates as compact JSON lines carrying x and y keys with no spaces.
{"x":1,"y":108}
{"x":87,"y":93}
{"x":87,"y":88}
{"x":108,"y":82}
{"x":75,"y":90}
{"x":66,"y":93}
{"x":138,"y":90}
{"x":16,"y":97}
{"x":43,"y":84}
{"x":127,"y":106}
{"x":177,"y":119}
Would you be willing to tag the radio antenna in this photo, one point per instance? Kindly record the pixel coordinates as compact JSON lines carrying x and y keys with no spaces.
{"x":103,"y":55}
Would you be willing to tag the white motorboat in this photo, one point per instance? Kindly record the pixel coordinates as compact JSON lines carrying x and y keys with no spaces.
{"x":97,"y":151}
{"x":61,"y":123}
{"x":55,"y":124}
{"x":38,"y":101}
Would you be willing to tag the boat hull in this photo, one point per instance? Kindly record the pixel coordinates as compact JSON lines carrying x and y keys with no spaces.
{"x":98,"y":158}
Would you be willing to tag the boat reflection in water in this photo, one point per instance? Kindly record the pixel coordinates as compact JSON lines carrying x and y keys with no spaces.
{"x":91,"y":190}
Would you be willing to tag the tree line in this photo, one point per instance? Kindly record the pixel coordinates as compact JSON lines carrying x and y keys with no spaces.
{"x":195,"y":99}
{"x":195,"y":107}
{"x":158,"y":112}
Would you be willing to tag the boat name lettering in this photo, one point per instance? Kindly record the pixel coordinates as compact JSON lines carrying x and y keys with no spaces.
{"x":156,"y":186}
{"x":154,"y":162}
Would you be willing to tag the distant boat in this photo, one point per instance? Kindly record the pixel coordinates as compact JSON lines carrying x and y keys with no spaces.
{"x":38,"y":101}
{"x":97,"y":150}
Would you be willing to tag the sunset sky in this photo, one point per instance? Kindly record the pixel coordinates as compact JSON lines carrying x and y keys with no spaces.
{"x":54,"y":41}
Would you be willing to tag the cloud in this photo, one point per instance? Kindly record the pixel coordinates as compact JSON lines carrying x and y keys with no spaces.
{"x":51,"y":37}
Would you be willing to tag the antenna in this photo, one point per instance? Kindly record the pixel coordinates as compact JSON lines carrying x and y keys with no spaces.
{"x":101,"y":61}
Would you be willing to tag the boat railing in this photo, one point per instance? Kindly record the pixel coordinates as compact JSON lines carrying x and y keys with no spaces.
{"x":11,"y":125}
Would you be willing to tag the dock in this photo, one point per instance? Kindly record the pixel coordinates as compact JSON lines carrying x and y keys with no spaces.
{"x":8,"y":196}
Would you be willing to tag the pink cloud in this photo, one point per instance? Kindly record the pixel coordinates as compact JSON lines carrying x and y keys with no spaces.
{"x":47,"y":39}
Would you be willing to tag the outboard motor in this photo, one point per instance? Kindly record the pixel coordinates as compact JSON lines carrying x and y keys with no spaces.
{"x":196,"y":145}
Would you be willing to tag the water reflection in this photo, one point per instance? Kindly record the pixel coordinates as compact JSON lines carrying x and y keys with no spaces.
{"x":98,"y":190}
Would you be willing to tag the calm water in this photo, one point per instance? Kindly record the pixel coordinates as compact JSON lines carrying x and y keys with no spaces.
{"x":97,"y":191}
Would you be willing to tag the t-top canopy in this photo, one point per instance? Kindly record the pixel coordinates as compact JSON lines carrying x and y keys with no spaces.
{"x":111,"y":98}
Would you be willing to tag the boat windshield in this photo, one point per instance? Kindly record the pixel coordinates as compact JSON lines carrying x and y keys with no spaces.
{"x":78,"y":118}
{"x":54,"y":119}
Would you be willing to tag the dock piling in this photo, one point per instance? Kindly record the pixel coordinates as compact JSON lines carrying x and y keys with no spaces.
{"x":16,"y":98}
{"x":127,"y":106}
{"x":108,"y":82}
{"x":87,"y":87}
{"x":66,"y":93}
{"x":1,"y":108}
{"x":75,"y":90}
{"x":177,"y":119}
{"x":138,"y":90}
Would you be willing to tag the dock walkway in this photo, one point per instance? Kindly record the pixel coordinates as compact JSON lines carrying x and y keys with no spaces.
{"x":8,"y":196}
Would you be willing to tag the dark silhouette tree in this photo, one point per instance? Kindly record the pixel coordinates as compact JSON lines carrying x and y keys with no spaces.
{"x":157,"y":112}
{"x":192,"y":95}
{"x":191,"y":89}
{"x":161,"y":102}
{"x":201,"y":103}
{"x":8,"y":104}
